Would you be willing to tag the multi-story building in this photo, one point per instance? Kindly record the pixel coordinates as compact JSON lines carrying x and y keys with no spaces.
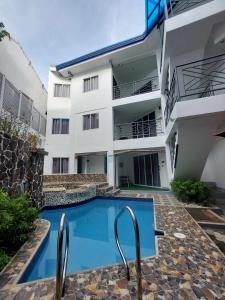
{"x":22,"y":94}
{"x":149,"y":109}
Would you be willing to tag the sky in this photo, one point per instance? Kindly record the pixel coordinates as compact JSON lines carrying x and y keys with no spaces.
{"x":55,"y":31}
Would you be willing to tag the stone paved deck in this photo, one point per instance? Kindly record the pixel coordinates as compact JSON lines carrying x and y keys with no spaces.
{"x":160,"y":198}
{"x":189,"y":268}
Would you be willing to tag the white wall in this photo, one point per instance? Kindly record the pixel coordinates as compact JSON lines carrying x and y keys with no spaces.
{"x":214,"y":170}
{"x":93,"y":164}
{"x":17,"y":68}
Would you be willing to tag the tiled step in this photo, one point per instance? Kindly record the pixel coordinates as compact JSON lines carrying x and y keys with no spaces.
{"x":113,"y":192}
{"x":101,"y":185}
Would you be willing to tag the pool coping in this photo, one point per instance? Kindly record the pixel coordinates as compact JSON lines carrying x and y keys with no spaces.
{"x":40,"y":224}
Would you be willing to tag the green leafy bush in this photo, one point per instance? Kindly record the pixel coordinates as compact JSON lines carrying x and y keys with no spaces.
{"x":4,"y":259}
{"x":16,"y":220}
{"x":190,"y":190}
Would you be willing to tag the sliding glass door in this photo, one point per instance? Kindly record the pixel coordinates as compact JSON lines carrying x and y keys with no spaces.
{"x":146,"y":170}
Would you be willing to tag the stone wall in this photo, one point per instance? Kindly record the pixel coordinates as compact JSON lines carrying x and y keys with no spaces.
{"x":17,"y":162}
{"x":75,"y":178}
{"x":61,"y":196}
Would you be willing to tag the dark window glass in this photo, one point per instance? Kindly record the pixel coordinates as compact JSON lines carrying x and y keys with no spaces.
{"x":60,"y":126}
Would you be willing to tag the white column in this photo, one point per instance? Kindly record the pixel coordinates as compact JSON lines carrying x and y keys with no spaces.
{"x":75,"y":165}
{"x":111,"y":168}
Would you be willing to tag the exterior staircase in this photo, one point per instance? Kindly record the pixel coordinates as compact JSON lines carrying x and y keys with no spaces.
{"x":217,"y":195}
{"x":104,"y":189}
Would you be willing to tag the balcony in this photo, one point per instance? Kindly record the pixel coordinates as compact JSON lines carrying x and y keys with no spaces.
{"x":137,"y":87}
{"x":17,"y":105}
{"x":137,"y":130}
{"x":199,"y":79}
{"x":176,"y":7}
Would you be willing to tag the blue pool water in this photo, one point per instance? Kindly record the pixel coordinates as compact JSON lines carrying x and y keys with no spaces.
{"x":92,"y":242}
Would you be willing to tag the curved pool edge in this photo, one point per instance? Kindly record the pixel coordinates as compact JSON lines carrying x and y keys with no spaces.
{"x":14,"y":270}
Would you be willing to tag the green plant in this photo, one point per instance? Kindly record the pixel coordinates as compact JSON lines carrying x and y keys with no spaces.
{"x":32,"y":138}
{"x":17,"y":218}
{"x":190,"y":190}
{"x":3,"y":33}
{"x":4,"y":259}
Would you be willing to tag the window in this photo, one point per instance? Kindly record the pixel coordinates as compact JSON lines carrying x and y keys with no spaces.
{"x":60,"y":126}
{"x":62,"y":90}
{"x":90,"y":84}
{"x":90,"y":121}
{"x":60,"y":165}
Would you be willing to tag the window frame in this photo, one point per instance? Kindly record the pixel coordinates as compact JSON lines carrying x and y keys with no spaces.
{"x":90,"y":121}
{"x":60,"y":165}
{"x":61,"y":90}
{"x":91,"y":83}
{"x":60,"y":125}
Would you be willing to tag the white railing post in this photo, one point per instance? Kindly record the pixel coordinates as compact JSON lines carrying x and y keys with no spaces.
{"x":165,"y":9}
{"x":20,"y":103}
{"x":2,"y":92}
{"x":171,"y":8}
{"x":31,"y":117}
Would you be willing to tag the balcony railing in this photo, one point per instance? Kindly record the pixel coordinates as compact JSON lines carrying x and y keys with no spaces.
{"x":135,"y":87}
{"x":194,"y":80}
{"x":176,"y":7}
{"x":20,"y":106}
{"x":136,"y":130}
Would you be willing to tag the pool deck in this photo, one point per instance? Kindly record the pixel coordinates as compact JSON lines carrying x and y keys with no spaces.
{"x":188,"y":268}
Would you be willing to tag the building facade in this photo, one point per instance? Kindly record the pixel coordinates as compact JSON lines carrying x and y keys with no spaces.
{"x":123,"y":110}
{"x":22,"y":94}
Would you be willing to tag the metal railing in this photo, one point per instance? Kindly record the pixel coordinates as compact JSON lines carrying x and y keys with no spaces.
{"x":199,"y":79}
{"x":139,"y":129}
{"x":20,"y":106}
{"x":135,"y":87}
{"x":61,"y":270}
{"x":137,"y":246}
{"x":176,"y":7}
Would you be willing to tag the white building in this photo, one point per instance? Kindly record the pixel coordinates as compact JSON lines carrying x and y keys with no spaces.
{"x":21,"y":91}
{"x":147,"y":109}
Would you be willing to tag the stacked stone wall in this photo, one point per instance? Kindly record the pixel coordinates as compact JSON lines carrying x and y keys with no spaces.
{"x":18,"y":164}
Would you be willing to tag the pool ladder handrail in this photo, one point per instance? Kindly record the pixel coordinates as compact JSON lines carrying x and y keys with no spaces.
{"x":61,"y":270}
{"x":137,"y":246}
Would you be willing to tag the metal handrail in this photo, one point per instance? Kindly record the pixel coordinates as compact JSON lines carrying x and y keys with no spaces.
{"x":137,"y":243}
{"x":61,"y":271}
{"x":138,"y":129}
{"x":137,"y":87}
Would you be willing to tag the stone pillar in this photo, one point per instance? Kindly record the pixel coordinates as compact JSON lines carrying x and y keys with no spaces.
{"x":35,"y":176}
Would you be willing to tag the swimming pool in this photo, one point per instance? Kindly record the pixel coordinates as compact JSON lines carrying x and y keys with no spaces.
{"x":92,"y":242}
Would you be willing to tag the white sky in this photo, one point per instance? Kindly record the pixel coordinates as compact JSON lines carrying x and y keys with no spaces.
{"x":54,"y":31}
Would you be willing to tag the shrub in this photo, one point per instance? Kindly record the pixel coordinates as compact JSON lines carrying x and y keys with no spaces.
{"x":190,"y":190}
{"x":16,"y":220}
{"x":4,"y":259}
{"x":32,"y":138}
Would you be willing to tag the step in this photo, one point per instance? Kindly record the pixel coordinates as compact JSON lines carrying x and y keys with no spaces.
{"x":219,"y":201}
{"x":210,"y":185}
{"x":101,"y":185}
{"x":105,"y":188}
{"x":113,"y":192}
